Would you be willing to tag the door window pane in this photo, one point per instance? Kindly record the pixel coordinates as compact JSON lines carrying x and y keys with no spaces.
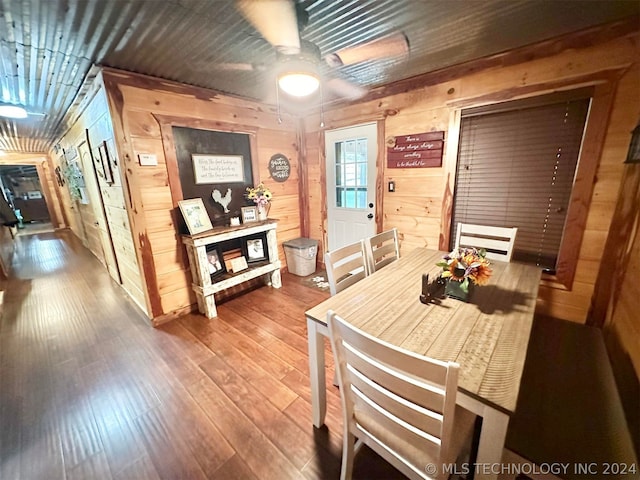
{"x":351,"y":173}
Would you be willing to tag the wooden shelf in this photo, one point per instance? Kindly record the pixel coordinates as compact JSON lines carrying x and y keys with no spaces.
{"x":204,"y":286}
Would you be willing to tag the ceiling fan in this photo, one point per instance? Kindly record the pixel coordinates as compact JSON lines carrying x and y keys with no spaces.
{"x":298,"y":61}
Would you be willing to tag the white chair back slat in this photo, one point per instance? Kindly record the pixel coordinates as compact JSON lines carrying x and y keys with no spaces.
{"x":345,"y":266}
{"x":382,"y":249}
{"x":497,"y":241}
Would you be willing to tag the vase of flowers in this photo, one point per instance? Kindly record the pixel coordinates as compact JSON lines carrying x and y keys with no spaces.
{"x":261,"y":196}
{"x":462,"y":269}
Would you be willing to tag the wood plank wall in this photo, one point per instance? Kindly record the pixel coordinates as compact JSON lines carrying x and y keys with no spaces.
{"x":614,"y":306}
{"x":419,"y":207}
{"x":107,"y":231}
{"x":136,"y":103}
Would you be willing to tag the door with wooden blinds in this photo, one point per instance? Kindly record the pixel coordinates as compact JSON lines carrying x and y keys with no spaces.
{"x":516,"y":168}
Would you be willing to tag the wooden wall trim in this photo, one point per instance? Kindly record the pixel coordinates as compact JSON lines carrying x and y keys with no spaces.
{"x":303,"y":180}
{"x":577,"y":40}
{"x":580,"y":201}
{"x":323,"y":187}
{"x":623,"y":230}
{"x":131,"y":191}
{"x":534,"y":90}
{"x":451,"y":161}
{"x":380,"y":180}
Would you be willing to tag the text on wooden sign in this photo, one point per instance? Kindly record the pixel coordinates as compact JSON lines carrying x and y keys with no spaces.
{"x":417,"y":150}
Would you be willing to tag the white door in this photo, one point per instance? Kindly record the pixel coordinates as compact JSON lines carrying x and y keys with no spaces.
{"x":351,"y":178}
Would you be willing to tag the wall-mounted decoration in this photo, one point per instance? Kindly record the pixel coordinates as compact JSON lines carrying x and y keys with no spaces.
{"x":279,"y":167}
{"x":255,"y":248}
{"x":195,"y":215}
{"x":215,"y":261}
{"x":249,"y":214}
{"x":223,"y":201}
{"x":210,"y":161}
{"x":73,"y":177}
{"x":59,"y":177}
{"x":70,"y":153}
{"x":419,"y":150}
{"x":147,"y":159}
{"x":217,"y":168}
{"x":105,"y":162}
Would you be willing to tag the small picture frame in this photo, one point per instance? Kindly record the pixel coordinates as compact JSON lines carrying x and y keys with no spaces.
{"x":105,"y":162}
{"x":255,"y":249}
{"x":249,"y":214}
{"x":238,"y":264}
{"x":195,"y":215}
{"x":215,"y":261}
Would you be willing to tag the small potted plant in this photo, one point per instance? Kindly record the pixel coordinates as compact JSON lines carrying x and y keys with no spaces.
{"x":463,"y":268}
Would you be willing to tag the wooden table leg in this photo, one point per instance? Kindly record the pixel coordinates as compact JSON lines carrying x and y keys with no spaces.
{"x":491,"y":446}
{"x":315,"y":337}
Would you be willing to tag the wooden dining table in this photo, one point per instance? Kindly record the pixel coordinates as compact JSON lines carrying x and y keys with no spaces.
{"x":487,"y":336}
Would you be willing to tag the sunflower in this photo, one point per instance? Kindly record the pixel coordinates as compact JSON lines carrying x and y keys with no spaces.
{"x":464,"y":265}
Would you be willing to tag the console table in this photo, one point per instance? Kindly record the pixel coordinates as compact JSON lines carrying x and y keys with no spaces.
{"x":204,"y":286}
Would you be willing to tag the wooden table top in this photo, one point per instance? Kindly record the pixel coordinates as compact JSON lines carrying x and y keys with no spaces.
{"x":488,"y":337}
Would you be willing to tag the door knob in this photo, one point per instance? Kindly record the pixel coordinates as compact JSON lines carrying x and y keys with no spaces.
{"x":370,"y":216}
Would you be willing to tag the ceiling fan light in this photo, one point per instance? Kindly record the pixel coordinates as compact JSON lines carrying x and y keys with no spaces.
{"x":298,"y":84}
{"x":12,"y":111}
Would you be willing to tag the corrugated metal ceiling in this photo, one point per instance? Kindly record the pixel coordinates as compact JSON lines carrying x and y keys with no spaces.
{"x":48,"y":46}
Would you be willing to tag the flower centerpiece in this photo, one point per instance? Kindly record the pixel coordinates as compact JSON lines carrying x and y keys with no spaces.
{"x":464,"y":267}
{"x":261,"y":196}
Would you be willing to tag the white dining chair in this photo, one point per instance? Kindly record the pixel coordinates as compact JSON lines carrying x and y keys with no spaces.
{"x":400,"y":404}
{"x":345,"y":266}
{"x":382,"y":249}
{"x":497,"y":241}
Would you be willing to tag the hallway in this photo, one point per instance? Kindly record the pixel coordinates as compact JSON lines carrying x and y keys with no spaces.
{"x":90,"y":391}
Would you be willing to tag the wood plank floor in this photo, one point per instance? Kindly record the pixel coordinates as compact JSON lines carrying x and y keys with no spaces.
{"x":88,"y":390}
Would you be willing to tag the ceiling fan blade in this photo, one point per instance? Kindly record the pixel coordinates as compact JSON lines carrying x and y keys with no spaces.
{"x":346,"y":89}
{"x":276,"y":21}
{"x":393,"y":45}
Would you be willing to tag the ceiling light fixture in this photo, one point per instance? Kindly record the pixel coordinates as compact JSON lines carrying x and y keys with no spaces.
{"x":12,"y":111}
{"x":298,"y":74}
{"x":298,"y":83}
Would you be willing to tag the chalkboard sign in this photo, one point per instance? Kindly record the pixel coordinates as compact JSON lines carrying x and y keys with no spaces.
{"x":214,"y":166}
{"x":279,"y":167}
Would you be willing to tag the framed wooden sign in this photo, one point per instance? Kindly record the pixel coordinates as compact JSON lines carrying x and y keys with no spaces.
{"x":419,"y":150}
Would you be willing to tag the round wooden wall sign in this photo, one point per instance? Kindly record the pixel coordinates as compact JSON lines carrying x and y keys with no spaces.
{"x":279,"y":167}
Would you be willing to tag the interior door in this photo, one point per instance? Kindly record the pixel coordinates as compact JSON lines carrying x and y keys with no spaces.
{"x":99,"y":221}
{"x":351,"y":177}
